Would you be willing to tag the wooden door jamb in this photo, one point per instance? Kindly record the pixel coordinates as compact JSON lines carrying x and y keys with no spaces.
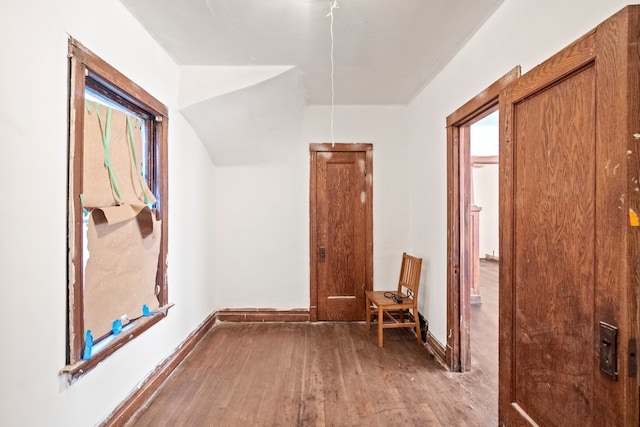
{"x":457,"y":355}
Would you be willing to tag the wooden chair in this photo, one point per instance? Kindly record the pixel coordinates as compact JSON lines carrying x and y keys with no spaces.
{"x":391,"y":305}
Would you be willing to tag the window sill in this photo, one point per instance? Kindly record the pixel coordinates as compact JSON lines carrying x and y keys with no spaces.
{"x":113,"y":343}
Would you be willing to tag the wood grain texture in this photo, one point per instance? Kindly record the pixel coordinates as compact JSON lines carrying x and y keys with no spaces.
{"x":555,"y":251}
{"x":464,"y":224}
{"x":505,"y":237}
{"x":617,"y":259}
{"x":390,"y":313}
{"x":547,"y":289}
{"x":105,"y":72}
{"x":436,"y":348}
{"x":632,"y":126}
{"x":484,"y":338}
{"x":452,"y":350}
{"x":262,"y":315}
{"x":135,"y":401}
{"x":75,"y":304}
{"x":86,"y":68}
{"x":341,"y":224}
{"x":478,"y":106}
{"x":569,"y":257}
{"x":316,"y":374}
{"x":458,"y":200}
{"x":313,"y":234}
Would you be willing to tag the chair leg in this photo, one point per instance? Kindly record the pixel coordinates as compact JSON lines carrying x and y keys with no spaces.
{"x":380,"y":325}
{"x":417,"y":320}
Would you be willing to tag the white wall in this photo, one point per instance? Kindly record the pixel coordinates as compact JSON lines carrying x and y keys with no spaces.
{"x":485,"y":190}
{"x":33,"y":184}
{"x":520,"y":32}
{"x":262,"y":236}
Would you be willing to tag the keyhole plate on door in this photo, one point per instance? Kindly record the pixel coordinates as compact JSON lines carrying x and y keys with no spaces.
{"x":608,"y":350}
{"x":322,"y":252}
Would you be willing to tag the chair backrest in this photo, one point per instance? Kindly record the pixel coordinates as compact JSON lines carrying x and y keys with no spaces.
{"x":410,"y":275}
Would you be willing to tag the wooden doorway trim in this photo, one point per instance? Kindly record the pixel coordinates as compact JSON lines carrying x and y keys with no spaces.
{"x":457,"y":354}
{"x":314,"y":149}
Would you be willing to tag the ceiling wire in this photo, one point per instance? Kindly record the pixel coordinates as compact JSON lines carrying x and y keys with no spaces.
{"x":334,"y":5}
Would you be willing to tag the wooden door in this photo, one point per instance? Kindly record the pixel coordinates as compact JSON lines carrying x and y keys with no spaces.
{"x":569,"y":257}
{"x":341,"y":244}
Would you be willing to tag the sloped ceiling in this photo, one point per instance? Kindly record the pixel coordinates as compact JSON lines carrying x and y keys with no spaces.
{"x":255,"y":124}
{"x":384,"y":52}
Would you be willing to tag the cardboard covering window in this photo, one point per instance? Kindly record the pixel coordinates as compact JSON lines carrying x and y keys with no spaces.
{"x":123,"y":236}
{"x":113,"y":159}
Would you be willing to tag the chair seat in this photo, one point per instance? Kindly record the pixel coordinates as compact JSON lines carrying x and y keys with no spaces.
{"x":379,"y":299}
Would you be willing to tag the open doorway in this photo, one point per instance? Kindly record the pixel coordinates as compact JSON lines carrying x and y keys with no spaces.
{"x":483,"y":201}
{"x":484,"y":253}
{"x":463,"y":250}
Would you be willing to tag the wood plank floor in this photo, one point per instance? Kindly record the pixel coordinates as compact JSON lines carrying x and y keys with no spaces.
{"x":326,"y":374}
{"x":484,"y":339}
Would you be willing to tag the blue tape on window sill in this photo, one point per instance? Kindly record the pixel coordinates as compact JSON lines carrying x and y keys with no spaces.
{"x":99,"y":351}
{"x":99,"y":346}
{"x":116,"y":327}
{"x":88,"y":345}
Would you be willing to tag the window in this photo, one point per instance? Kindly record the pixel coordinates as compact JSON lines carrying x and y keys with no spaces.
{"x":117,"y":211}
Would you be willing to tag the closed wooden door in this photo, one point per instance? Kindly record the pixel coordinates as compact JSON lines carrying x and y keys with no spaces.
{"x":568,"y":253}
{"x":341,"y":247}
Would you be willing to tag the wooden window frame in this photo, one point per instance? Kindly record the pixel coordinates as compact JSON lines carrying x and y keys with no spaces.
{"x":88,"y":70}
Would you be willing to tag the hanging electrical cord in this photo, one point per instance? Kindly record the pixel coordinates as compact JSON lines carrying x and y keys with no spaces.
{"x":334,"y":5}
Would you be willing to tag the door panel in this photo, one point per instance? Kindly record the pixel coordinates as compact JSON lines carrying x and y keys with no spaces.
{"x":342,"y":233}
{"x":569,"y":256}
{"x":554,"y":250}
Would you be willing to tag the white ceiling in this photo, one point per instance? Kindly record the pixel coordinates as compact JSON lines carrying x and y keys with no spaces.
{"x":385,"y":51}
